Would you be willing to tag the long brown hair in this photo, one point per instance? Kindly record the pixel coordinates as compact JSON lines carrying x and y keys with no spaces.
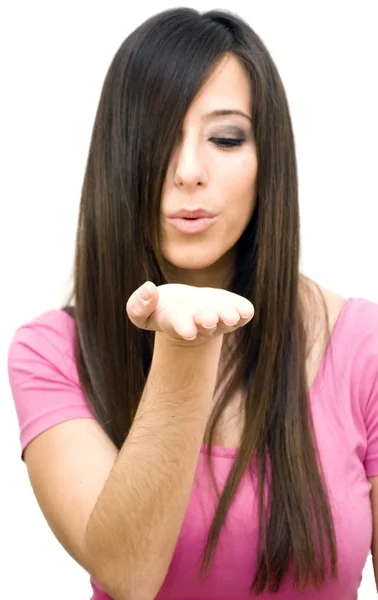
{"x":151,"y":82}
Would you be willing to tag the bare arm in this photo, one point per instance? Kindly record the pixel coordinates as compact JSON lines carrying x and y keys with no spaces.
{"x":119,"y":513}
{"x":133,"y":529}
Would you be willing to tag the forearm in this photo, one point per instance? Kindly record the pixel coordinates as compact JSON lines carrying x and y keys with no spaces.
{"x":139,"y":514}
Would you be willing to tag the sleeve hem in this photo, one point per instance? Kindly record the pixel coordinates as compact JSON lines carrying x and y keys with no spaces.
{"x":371,"y":467}
{"x":39,"y":425}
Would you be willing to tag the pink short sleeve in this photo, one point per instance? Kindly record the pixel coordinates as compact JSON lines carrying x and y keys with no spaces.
{"x":371,"y":423}
{"x":363,"y":346}
{"x":43,"y":376}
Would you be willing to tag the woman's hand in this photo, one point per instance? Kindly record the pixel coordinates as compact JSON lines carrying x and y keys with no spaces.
{"x":186,"y":312}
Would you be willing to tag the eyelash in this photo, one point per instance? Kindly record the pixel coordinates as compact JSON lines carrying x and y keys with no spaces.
{"x":227,"y":143}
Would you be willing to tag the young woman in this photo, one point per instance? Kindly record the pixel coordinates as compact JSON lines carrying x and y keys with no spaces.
{"x":200,"y":420}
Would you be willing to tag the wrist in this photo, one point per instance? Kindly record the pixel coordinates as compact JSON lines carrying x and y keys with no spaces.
{"x":200,"y":344}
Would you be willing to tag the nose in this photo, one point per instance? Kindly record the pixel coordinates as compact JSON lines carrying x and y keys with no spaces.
{"x":189,"y":167}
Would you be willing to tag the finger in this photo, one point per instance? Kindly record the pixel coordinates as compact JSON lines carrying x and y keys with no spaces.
{"x":181,"y":323}
{"x":206,"y":331}
{"x":223,"y":328}
{"x":245,"y":308}
{"x":228,"y":320}
{"x":142,"y":304}
{"x":229,"y":316}
{"x":208,"y":319}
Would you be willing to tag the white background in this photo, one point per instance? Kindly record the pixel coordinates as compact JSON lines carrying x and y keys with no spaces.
{"x":54,"y":58}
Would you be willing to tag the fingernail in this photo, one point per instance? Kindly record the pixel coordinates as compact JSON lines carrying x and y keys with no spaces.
{"x":231,"y":324}
{"x":189,"y":339}
{"x":209,"y":326}
{"x":144,"y":294}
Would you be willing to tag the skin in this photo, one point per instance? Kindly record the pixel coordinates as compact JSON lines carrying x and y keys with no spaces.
{"x":201,"y":175}
{"x":204,"y":174}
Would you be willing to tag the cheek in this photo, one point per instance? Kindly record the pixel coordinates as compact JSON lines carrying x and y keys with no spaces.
{"x":241,"y":192}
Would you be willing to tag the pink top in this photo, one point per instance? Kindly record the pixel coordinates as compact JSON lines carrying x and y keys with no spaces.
{"x":344,"y":402}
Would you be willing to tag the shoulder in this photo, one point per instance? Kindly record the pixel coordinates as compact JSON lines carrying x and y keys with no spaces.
{"x":354,"y":350}
{"x":41,"y":350}
{"x":43,"y":376}
{"x":54,"y":324}
{"x":351,"y":317}
{"x":49,"y":333}
{"x":355,"y":317}
{"x":350,"y":337}
{"x":44,"y":344}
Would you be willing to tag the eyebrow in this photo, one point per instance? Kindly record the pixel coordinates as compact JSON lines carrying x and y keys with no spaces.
{"x":226,"y":111}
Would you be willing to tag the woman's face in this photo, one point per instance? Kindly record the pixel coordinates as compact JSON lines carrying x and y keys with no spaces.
{"x":213,"y":171}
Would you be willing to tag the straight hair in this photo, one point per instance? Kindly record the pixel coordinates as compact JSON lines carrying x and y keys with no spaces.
{"x":152,"y":80}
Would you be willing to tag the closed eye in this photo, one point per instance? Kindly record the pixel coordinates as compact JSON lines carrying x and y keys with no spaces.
{"x":227,"y":142}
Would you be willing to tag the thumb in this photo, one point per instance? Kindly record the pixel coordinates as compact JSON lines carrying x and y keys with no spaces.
{"x":142,"y":304}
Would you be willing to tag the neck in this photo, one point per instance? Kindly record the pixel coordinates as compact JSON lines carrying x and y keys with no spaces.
{"x":217,"y":275}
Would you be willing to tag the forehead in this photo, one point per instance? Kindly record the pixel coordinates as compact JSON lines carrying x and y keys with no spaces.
{"x":227,"y":87}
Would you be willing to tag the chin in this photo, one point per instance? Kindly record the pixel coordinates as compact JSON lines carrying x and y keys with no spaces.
{"x":194,"y":258}
{"x":191,"y":263}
